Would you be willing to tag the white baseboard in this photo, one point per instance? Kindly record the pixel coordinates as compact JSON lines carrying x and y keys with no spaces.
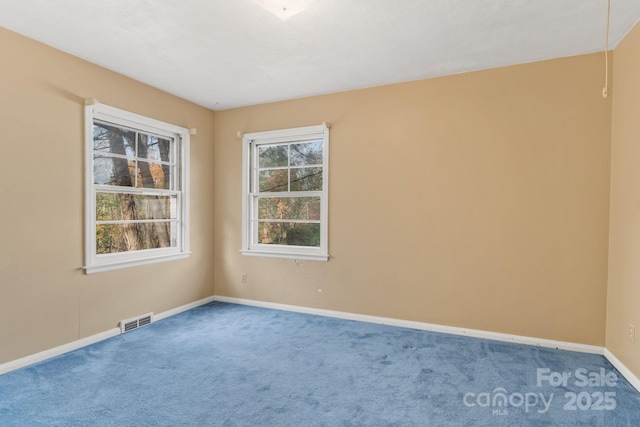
{"x":496,"y":336}
{"x":56,"y":351}
{"x":561,"y":345}
{"x":74,"y":345}
{"x":630,"y":376}
{"x":583,"y":348}
{"x":182,"y":308}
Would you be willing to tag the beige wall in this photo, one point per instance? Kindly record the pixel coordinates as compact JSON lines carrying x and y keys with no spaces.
{"x":45,"y":299}
{"x":478,"y":200}
{"x":623,"y":303}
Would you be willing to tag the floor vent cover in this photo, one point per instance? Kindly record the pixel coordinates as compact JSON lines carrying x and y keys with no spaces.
{"x":135,"y":322}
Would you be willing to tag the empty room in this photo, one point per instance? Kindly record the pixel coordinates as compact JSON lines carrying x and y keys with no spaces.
{"x":320,"y":213}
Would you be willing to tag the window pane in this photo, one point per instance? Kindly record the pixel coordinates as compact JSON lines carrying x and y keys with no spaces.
{"x":115,"y":238}
{"x":127,"y":207}
{"x":154,"y":175}
{"x":273,"y":156}
{"x":274,"y":180}
{"x":158,"y":235}
{"x":305,"y":208}
{"x":113,"y":171}
{"x":290,"y":234}
{"x":306,"y":179}
{"x":154,"y":148}
{"x":158,"y":207}
{"x":308,"y":153}
{"x":114,"y":140}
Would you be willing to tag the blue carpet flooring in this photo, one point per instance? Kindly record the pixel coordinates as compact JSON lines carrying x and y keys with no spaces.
{"x":231,"y":365}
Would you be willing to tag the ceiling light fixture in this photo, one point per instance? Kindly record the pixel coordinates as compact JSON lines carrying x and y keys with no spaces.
{"x":284,"y":9}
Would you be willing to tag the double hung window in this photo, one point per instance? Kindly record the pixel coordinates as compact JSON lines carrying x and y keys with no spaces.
{"x":136,"y":190}
{"x":285,"y":182}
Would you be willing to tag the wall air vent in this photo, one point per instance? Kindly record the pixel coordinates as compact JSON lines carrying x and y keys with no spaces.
{"x":135,"y":322}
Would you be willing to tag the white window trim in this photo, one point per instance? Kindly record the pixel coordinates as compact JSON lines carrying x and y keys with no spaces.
{"x":95,"y":263}
{"x":249,"y":248}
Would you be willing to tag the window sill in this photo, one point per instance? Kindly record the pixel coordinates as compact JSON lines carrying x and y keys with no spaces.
{"x":286,"y":255}
{"x":99,"y":268}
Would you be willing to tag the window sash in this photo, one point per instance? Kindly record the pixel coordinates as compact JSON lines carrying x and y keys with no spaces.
{"x":175,"y":244}
{"x":252,"y":194}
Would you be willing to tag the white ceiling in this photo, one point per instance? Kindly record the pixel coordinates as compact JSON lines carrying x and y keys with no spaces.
{"x":229,"y":53}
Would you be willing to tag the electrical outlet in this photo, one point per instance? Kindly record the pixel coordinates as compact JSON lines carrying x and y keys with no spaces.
{"x":244,"y":278}
{"x":632,"y":334}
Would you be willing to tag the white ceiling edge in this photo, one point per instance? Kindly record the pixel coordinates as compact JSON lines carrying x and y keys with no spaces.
{"x":226,"y":54}
{"x":597,"y":89}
